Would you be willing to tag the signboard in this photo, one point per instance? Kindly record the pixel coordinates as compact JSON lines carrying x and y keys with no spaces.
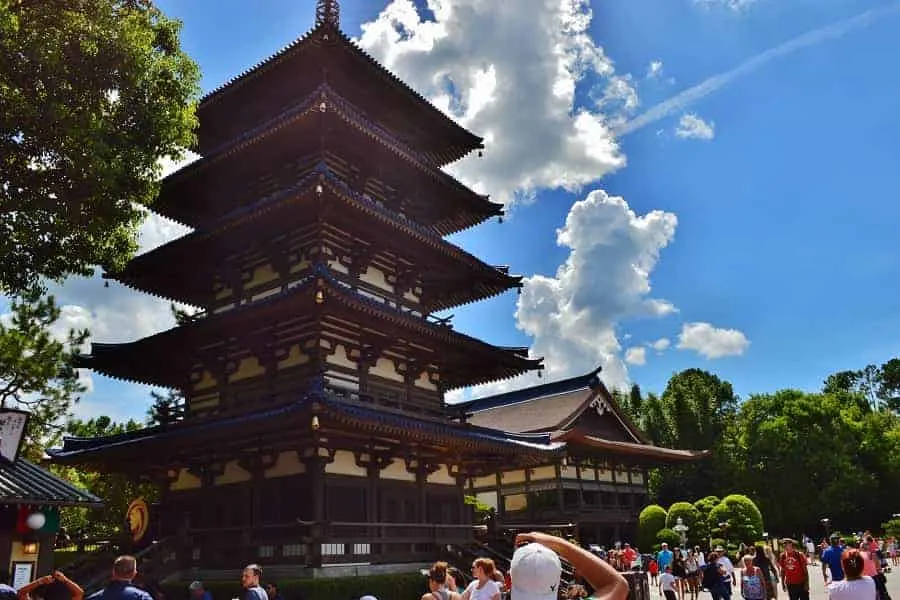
{"x":138,"y":519}
{"x":12,"y":431}
{"x":22,"y":574}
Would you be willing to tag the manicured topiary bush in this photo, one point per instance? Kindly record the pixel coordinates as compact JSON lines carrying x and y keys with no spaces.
{"x":689,"y":516}
{"x":668,"y":536}
{"x":650,"y":521}
{"x":744,"y":520}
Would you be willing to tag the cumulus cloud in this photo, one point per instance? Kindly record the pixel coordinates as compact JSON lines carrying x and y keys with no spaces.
{"x":636,"y":355}
{"x":661,"y":345}
{"x":509,"y":71}
{"x":712,"y":342}
{"x":654,"y":69}
{"x":691,"y":126}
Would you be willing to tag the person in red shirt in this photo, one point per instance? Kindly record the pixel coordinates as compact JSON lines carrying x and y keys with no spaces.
{"x":794,"y":573}
{"x":629,"y":555}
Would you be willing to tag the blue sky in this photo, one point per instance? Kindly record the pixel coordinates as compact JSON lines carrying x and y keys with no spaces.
{"x":775,"y":225}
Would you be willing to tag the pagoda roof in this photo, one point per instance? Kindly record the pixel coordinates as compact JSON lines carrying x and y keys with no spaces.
{"x":162,"y":270}
{"x":650,"y":452}
{"x":131,"y":360}
{"x":187,"y":209}
{"x":558,"y":409}
{"x":334,"y":413}
{"x":22,"y":482}
{"x":373,"y":76}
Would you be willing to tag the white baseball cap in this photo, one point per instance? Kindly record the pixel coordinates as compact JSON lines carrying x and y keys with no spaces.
{"x":535,"y":571}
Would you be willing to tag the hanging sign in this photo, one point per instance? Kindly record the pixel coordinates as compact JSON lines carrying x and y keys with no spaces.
{"x":12,"y":432}
{"x":138,"y":519}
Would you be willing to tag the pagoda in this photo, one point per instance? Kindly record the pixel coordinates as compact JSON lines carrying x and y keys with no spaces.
{"x":315,"y":430}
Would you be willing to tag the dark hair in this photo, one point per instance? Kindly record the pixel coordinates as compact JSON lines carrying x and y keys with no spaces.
{"x":852,"y":562}
{"x":54,"y":591}
{"x":4,"y":576}
{"x":125,"y":566}
{"x":438,"y":572}
{"x":257,"y":570}
{"x":271,"y":583}
{"x":457,"y":576}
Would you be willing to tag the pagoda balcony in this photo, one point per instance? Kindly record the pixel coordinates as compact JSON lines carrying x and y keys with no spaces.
{"x":254,"y":235}
{"x":324,"y":127}
{"x":319,"y":305}
{"x":328,"y":56}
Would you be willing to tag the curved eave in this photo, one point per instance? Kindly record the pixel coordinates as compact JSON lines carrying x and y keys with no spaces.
{"x":106,"y":358}
{"x":464,"y":140}
{"x":142,"y":272}
{"x":474,"y":208}
{"x":640,"y":451}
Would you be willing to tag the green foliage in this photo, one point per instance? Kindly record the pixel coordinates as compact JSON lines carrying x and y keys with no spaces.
{"x":892,"y":528}
{"x":704,"y":506}
{"x":689,"y":516}
{"x":406,"y":585}
{"x":92,"y":94}
{"x":483,"y":512}
{"x":669,"y":537}
{"x":36,"y":367}
{"x":744,"y":522}
{"x":166,"y":408}
{"x":115,"y":489}
{"x":651,"y":520}
{"x":694,"y":413}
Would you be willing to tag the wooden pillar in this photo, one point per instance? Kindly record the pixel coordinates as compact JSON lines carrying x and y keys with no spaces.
{"x":315,"y":458}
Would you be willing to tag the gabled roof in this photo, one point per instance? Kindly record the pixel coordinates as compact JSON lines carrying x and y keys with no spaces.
{"x":656,"y":453}
{"x":554,"y":406}
{"x":24,"y":483}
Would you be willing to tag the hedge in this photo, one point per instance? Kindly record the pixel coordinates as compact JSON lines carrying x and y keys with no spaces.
{"x":383,"y":587}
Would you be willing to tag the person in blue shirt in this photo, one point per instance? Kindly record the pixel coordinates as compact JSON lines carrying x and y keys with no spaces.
{"x":664,"y":557}
{"x":198,"y":592}
{"x":120,"y":587}
{"x":831,"y":560}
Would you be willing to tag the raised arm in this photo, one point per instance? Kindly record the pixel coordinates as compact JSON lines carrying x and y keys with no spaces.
{"x":74,"y":589}
{"x":24,"y":592}
{"x":608,"y":584}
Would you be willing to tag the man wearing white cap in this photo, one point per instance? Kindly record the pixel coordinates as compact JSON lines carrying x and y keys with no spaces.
{"x":536,"y":569}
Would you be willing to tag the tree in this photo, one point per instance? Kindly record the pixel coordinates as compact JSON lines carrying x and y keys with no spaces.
{"x":742,"y":520}
{"x":889,"y":388}
{"x":166,"y":408}
{"x":37,"y":370}
{"x":92,"y":94}
{"x":694,"y":413}
{"x":651,"y":520}
{"x":892,"y":528}
{"x":689,"y":516}
{"x":115,"y":489}
{"x":669,"y":537}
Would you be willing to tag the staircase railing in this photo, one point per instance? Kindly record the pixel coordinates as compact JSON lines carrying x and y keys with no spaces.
{"x":153,"y":563}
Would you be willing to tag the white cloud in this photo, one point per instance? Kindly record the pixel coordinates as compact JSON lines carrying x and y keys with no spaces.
{"x":636,"y":355}
{"x":735,"y":5}
{"x":654,"y":69}
{"x":693,"y":127}
{"x":712,"y":342}
{"x":508,"y":71}
{"x":661,"y":345}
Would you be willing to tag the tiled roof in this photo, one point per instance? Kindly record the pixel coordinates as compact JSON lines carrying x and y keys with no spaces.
{"x":371,"y":417}
{"x":549,"y":413}
{"x":554,"y":388}
{"x":24,"y":483}
{"x":660,"y":454}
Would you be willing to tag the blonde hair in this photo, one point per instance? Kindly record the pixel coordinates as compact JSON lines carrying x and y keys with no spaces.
{"x":486,"y":565}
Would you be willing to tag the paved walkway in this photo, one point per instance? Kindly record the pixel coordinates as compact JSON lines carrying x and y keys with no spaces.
{"x":816,"y":588}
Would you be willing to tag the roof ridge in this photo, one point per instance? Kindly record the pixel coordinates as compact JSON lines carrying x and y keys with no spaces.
{"x":552,"y":388}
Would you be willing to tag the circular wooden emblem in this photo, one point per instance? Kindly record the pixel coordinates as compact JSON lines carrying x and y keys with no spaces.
{"x":138,"y":517}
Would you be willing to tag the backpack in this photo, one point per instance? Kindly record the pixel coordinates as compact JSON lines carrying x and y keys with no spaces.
{"x":752,"y":585}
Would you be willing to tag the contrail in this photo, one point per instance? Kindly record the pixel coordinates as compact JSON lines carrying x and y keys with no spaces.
{"x":810,"y":38}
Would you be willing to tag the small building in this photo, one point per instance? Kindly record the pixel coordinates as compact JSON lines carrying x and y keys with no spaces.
{"x":594,"y":484}
{"x":30,"y":499}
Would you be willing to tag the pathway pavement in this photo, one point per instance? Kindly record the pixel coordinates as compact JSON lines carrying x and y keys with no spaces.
{"x":816,"y":588}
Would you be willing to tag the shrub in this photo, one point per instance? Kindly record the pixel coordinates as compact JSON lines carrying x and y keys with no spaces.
{"x":689,"y":516}
{"x":704,"y":506}
{"x":650,"y":521}
{"x":668,"y":536}
{"x":745,"y":522}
